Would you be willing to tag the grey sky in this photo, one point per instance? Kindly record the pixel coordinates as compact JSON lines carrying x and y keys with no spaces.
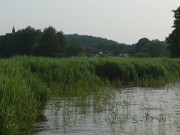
{"x":125,"y":21}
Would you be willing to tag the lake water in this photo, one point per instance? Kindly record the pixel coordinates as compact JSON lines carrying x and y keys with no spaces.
{"x":130,"y":111}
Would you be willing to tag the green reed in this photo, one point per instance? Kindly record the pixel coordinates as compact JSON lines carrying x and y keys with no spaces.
{"x":139,"y":72}
{"x":22,"y":96}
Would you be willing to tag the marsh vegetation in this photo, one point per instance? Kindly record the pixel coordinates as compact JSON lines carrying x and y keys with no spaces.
{"x":78,"y":85}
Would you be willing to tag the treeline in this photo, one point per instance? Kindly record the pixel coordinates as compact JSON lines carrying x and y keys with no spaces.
{"x":154,"y":48}
{"x":30,"y":41}
{"x":52,"y":43}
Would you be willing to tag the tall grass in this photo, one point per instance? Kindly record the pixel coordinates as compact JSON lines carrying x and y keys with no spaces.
{"x":64,"y":76}
{"x":26,"y":83}
{"x":22,"y":95}
{"x":139,"y":72}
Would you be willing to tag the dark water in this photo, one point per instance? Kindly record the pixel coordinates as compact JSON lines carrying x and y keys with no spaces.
{"x":132,"y":111}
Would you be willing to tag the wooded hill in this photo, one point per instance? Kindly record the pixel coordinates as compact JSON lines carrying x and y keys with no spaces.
{"x":154,"y":48}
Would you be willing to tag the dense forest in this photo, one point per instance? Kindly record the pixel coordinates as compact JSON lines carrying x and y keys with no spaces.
{"x":52,"y":43}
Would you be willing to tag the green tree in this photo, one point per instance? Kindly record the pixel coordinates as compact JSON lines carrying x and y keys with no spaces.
{"x":26,"y":39}
{"x":174,"y":38}
{"x":141,"y":44}
{"x":155,"y":48}
{"x":116,"y":52}
{"x":49,"y":44}
{"x":20,"y":42}
{"x":62,"y":42}
{"x":73,"y":50}
{"x":8,"y":46}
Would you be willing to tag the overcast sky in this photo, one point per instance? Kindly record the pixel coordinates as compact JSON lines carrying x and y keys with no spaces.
{"x":125,"y":21}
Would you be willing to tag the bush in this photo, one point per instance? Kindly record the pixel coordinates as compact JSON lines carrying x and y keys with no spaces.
{"x":142,"y":55}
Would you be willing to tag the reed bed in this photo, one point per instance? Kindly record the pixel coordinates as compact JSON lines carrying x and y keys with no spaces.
{"x":27,"y":83}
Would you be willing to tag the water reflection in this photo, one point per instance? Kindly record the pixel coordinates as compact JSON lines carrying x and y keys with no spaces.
{"x":131,"y":111}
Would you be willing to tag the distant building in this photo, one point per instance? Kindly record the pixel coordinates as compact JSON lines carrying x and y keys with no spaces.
{"x":93,"y":50}
{"x":126,"y":55}
{"x":97,"y":52}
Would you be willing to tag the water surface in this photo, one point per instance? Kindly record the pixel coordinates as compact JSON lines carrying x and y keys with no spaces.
{"x":130,"y":111}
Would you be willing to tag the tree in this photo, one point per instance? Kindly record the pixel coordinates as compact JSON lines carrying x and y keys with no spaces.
{"x":73,"y":50}
{"x":174,"y":38}
{"x":62,"y":42}
{"x":7,"y":46}
{"x":141,"y":44}
{"x":30,"y":41}
{"x":49,"y":44}
{"x":116,"y":52}
{"x":25,"y":40}
{"x":155,"y":48}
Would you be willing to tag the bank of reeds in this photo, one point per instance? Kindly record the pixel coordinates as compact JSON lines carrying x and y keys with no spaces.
{"x":139,"y":72}
{"x":22,"y":96}
{"x":26,"y":83}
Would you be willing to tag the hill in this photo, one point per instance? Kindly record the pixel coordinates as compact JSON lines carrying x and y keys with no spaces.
{"x":154,"y":48}
{"x":97,"y":42}
{"x":85,"y":40}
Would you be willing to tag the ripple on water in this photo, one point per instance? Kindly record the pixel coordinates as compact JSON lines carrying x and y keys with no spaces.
{"x":132,"y":111}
